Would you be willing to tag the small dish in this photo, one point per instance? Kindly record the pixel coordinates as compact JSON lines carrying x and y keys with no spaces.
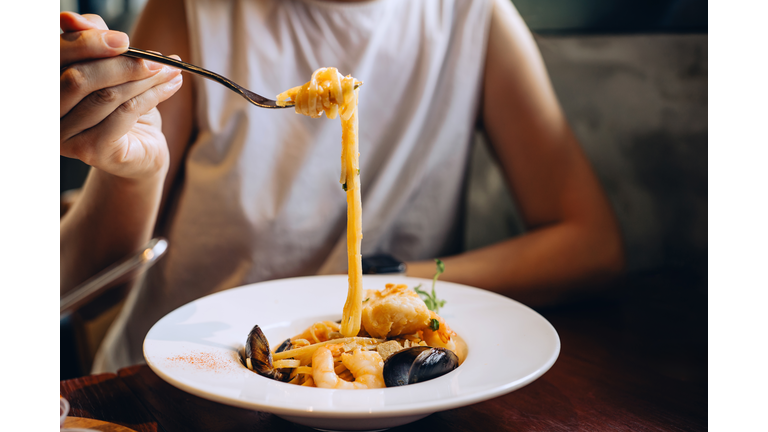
{"x":195,"y":348}
{"x":63,"y":410}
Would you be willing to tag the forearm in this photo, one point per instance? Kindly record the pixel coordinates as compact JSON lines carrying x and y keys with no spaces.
{"x":574,"y":240}
{"x":112,"y":218}
{"x":540,"y":267}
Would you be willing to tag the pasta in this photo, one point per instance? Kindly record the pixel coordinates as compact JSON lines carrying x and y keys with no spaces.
{"x":351,"y":353}
{"x":328,"y":91}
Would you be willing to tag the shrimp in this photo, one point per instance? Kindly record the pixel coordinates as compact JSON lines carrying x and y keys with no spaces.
{"x":366,"y":366}
{"x":442,"y":337}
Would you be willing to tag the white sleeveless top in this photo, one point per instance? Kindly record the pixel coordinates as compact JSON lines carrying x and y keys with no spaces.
{"x":261,"y":197}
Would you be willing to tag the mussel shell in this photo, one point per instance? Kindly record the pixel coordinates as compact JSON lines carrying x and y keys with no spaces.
{"x":255,"y":346}
{"x":257,"y":351}
{"x":418,"y":364}
{"x":285,"y":346}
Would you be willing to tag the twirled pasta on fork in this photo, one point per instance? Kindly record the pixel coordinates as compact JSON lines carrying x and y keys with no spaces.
{"x":330,"y":92}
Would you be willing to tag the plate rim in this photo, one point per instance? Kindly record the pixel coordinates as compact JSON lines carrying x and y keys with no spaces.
{"x":363,"y":412}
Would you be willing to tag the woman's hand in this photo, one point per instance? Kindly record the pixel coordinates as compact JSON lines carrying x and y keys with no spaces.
{"x":108,"y":114}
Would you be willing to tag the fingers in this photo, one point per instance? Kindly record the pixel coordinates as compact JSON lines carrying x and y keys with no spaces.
{"x":96,"y":21}
{"x":90,"y":44}
{"x":87,"y":37}
{"x":72,"y":22}
{"x":79,"y":80}
{"x":98,"y":105}
{"x":99,"y":145}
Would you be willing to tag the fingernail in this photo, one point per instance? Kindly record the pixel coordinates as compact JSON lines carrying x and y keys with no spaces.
{"x":153,"y":66}
{"x":116,"y":39}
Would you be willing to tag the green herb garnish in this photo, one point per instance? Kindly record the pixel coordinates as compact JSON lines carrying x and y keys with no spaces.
{"x":433,"y":303}
{"x":434,"y":324}
{"x":366,"y":299}
{"x":344,"y":186}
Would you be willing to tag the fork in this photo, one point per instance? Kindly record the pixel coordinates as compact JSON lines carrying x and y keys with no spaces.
{"x":258,"y":100}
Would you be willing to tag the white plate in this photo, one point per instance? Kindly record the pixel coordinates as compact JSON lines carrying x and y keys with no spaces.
{"x":195,"y":349}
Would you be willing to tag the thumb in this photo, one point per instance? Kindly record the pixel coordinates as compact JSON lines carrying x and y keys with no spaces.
{"x":87,"y":37}
{"x":72,"y":22}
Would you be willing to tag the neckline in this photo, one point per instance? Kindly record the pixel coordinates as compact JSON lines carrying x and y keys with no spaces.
{"x":360,"y":4}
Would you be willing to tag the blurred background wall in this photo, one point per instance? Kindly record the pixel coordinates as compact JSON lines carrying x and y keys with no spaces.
{"x":632,"y":79}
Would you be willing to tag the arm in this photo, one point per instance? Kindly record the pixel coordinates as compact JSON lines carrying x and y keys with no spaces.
{"x":162,"y":27}
{"x":574,"y":238}
{"x":132,"y":153}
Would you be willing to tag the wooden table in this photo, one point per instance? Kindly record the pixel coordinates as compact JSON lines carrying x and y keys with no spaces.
{"x":634,"y":360}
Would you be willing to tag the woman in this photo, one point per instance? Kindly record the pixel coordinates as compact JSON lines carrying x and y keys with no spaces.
{"x":246,"y":194}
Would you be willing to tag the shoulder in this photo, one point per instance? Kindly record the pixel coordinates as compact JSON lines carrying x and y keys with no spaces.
{"x":162,"y":26}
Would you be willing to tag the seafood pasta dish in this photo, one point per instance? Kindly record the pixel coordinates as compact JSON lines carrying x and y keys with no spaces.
{"x":385,"y":338}
{"x":400,"y":342}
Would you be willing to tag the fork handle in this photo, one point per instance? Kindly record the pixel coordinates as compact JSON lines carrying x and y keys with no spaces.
{"x":253,"y":98}
{"x":158,"y":58}
{"x":250,"y":96}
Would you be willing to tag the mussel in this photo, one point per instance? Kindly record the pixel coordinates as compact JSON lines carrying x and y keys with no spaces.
{"x":285,"y":346}
{"x":418,"y":364}
{"x":258,"y":357}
